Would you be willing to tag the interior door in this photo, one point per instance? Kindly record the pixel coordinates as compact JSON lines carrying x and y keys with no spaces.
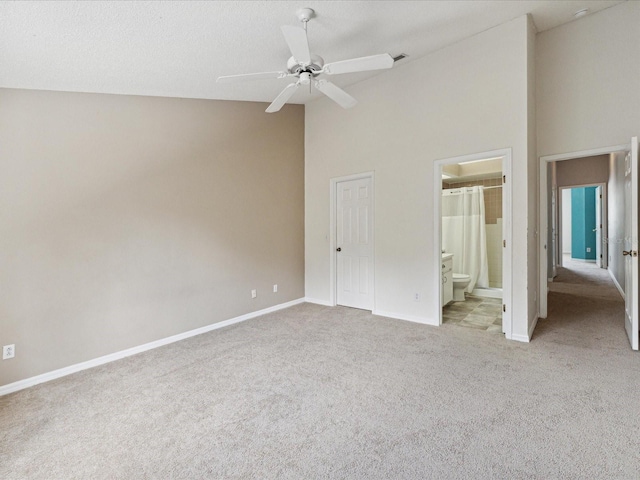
{"x":630,"y":251}
{"x":354,"y":235}
{"x":598,"y":228}
{"x":554,"y":231}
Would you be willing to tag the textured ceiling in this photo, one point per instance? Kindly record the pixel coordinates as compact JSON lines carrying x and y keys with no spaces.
{"x":178,"y":49}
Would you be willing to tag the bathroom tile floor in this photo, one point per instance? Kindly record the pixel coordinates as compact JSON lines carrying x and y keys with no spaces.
{"x":481,"y":313}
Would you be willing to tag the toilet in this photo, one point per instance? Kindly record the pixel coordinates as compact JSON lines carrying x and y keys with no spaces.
{"x":460,"y":283}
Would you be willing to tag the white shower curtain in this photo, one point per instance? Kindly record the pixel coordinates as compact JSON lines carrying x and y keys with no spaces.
{"x":464,"y":234}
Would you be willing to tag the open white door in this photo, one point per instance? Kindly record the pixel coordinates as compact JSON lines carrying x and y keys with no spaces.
{"x":598,"y":228}
{"x":554,"y":231}
{"x":630,"y":251}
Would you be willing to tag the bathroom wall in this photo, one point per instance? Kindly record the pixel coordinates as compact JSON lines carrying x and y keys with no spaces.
{"x":493,"y":222}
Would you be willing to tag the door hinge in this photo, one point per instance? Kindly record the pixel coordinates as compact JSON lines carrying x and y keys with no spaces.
{"x":504,"y":243}
{"x":504,"y":307}
{"x":504,"y":179}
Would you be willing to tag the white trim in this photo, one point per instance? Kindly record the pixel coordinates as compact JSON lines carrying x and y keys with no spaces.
{"x":317,"y":301}
{"x":507,"y":222}
{"x":543,"y":217}
{"x":409,"y":318}
{"x":62,"y":372}
{"x":585,"y":153}
{"x":520,"y":338}
{"x":615,"y":282}
{"x":543,"y":229}
{"x":526,"y":338}
{"x":487,"y":292}
{"x":333,"y":189}
{"x":532,"y":327}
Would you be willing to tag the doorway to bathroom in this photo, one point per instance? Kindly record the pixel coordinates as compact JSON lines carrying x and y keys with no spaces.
{"x":473,"y":238}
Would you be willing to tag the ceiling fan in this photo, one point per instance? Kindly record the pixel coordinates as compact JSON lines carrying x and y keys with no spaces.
{"x":307,"y":67}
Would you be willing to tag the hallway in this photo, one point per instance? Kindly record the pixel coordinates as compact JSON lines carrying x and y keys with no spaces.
{"x":585,"y":308}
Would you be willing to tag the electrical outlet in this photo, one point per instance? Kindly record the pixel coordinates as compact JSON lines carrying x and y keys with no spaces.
{"x":275,"y":288}
{"x":8,"y":351}
{"x":588,"y":249}
{"x":254,"y":293}
{"x":417,"y":297}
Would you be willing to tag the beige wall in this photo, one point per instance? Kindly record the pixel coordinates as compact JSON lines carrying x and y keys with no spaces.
{"x":129,"y":219}
{"x":588,"y":93}
{"x":582,"y":171}
{"x":434,"y":108}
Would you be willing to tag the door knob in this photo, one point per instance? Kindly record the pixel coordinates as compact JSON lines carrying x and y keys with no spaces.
{"x":633,"y":253}
{"x":338,"y":249}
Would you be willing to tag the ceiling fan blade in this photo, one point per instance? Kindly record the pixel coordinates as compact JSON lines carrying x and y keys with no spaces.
{"x":281,"y":99}
{"x":296,"y":38}
{"x":247,"y":77}
{"x":362,"y":64}
{"x":336,"y":94}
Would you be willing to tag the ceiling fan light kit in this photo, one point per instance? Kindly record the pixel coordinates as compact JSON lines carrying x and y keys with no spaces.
{"x":307,"y":67}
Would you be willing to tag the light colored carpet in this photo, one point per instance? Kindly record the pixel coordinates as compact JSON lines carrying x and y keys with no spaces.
{"x":318,"y":392}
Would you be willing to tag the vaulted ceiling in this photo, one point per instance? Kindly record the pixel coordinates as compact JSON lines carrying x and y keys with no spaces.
{"x":179,"y":48}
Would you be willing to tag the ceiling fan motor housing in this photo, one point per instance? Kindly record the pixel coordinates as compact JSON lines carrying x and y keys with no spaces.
{"x":314,"y":68}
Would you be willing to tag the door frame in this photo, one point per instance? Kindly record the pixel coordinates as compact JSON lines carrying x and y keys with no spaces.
{"x":603,"y":218}
{"x":333,"y":258}
{"x":506,"y":154}
{"x":543,"y":223}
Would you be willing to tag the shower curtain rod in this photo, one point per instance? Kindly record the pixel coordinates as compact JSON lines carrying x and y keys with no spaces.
{"x":495,"y":186}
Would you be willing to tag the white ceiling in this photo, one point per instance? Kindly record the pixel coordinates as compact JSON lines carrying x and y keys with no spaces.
{"x":179,"y":48}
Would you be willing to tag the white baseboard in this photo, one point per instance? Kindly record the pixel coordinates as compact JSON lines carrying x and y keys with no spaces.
{"x":45,"y":377}
{"x":520,"y":338}
{"x":487,"y":292}
{"x":533,"y":327}
{"x":526,"y":338}
{"x":409,"y":318}
{"x":318,"y":302}
{"x":615,"y":282}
